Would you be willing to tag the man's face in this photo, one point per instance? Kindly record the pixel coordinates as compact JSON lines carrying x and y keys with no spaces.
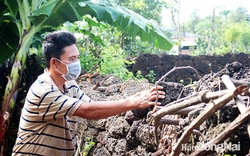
{"x":71,"y":54}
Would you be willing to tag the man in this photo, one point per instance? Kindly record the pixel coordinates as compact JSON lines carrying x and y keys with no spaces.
{"x":48,"y":122}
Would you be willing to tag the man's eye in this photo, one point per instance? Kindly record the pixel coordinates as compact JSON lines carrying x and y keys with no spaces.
{"x":72,"y":59}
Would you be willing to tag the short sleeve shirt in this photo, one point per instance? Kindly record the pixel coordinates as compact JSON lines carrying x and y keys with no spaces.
{"x":47,"y":126}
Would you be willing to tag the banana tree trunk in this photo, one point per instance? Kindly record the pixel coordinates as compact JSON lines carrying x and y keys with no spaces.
{"x":10,"y":96}
{"x":12,"y":87}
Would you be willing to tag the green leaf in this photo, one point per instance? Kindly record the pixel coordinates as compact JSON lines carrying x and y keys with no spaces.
{"x":54,"y":13}
{"x":125,"y":20}
{"x":9,"y":37}
{"x":46,"y":8}
{"x":12,"y":6}
{"x":3,"y":7}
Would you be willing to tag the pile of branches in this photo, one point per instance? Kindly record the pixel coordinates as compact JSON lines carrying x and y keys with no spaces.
{"x":173,"y":126}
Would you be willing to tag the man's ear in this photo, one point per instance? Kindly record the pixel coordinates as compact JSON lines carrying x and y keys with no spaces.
{"x":52,"y":62}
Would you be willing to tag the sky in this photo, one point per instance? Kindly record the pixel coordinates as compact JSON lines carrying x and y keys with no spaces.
{"x":204,"y":8}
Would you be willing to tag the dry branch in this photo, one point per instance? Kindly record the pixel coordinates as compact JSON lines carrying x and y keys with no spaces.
{"x":229,"y":84}
{"x":186,"y":105}
{"x":162,"y":112}
{"x":238,"y":100}
{"x":172,"y":70}
{"x":177,"y":68}
{"x":202,"y":96}
{"x":211,"y":108}
{"x":209,"y":96}
{"x":171,"y":121}
{"x":231,"y":128}
{"x":240,"y":82}
{"x":183,"y":111}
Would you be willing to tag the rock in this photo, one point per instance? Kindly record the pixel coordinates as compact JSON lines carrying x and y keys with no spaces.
{"x":117,"y":127}
{"x":101,"y":152}
{"x":130,"y":117}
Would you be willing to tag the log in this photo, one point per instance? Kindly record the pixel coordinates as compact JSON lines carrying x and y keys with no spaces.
{"x":203,"y":96}
{"x":171,"y":121}
{"x":238,"y":100}
{"x":183,"y":111}
{"x":209,"y":95}
{"x":211,"y":108}
{"x":231,"y":128}
{"x":230,"y":86}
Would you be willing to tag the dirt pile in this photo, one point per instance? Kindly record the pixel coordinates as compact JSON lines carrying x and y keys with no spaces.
{"x":204,"y":64}
{"x":132,"y":133}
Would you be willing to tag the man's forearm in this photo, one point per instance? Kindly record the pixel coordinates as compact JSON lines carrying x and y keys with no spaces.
{"x":104,"y":109}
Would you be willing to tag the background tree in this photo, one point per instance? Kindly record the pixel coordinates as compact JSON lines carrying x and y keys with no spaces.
{"x":193,"y":24}
{"x":174,"y":7}
{"x":245,"y":36}
{"x":239,"y":15}
{"x":232,"y":36}
{"x":227,"y":31}
{"x":211,"y":33}
{"x":150,"y":9}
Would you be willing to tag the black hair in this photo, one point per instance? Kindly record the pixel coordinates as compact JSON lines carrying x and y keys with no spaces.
{"x":54,"y":44}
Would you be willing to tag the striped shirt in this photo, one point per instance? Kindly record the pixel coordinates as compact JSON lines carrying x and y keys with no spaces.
{"x":47,"y":126}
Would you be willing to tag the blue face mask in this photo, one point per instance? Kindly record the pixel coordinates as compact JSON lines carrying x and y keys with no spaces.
{"x":73,"y":70}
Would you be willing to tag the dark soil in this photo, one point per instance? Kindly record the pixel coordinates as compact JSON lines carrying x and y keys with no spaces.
{"x":131,"y":133}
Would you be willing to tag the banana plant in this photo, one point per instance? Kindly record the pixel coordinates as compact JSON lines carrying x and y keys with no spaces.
{"x":21,"y":20}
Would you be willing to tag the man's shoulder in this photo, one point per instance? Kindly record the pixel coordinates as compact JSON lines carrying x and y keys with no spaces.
{"x":43,"y":83}
{"x":71,"y":83}
{"x":44,"y":80}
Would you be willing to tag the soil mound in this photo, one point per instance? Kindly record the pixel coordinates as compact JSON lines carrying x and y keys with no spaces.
{"x":132,"y":133}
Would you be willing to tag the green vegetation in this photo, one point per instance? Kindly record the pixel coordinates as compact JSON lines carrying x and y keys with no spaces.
{"x":226,"y":31}
{"x":89,"y":144}
{"x":151,"y":76}
{"x":139,"y":75}
{"x":103,"y":52}
{"x":113,"y":62}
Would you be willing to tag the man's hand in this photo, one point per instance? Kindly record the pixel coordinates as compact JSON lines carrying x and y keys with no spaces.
{"x":147,"y":98}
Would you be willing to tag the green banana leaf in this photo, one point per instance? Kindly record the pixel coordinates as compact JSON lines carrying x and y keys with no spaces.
{"x":57,"y":12}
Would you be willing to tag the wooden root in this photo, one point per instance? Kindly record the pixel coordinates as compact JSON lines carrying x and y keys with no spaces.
{"x":215,"y":105}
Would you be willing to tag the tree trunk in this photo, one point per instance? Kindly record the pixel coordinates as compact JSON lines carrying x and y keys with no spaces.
{"x":10,"y":96}
{"x":211,"y":33}
{"x":12,"y":87}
